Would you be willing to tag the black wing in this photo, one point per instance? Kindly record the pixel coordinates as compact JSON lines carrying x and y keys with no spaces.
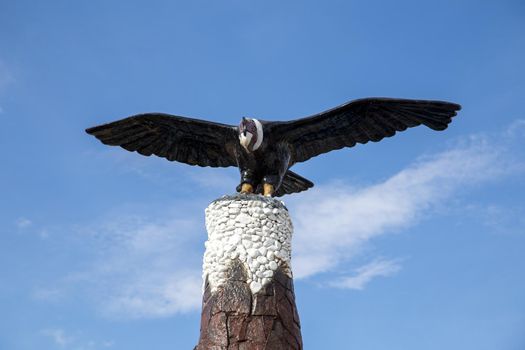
{"x":191,"y":141}
{"x":360,"y":121}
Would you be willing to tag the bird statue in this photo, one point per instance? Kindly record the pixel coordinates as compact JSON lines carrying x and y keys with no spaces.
{"x":264,"y":151}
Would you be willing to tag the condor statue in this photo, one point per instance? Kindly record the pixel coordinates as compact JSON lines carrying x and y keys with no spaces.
{"x":264,"y":151}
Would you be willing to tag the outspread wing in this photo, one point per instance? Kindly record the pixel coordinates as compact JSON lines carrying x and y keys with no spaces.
{"x":360,"y":121}
{"x":191,"y":141}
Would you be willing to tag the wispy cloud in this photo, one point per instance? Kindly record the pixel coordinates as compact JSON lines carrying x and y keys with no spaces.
{"x":64,"y":340}
{"x":516,"y":129}
{"x":23,"y":223}
{"x":365,"y":274}
{"x":333,"y":222}
{"x":28,"y":226}
{"x":162,"y":172}
{"x":145,"y":267}
{"x":6,"y":77}
{"x":150,"y":265}
{"x":213,"y":178}
{"x":163,"y":295}
{"x":499,"y":219}
{"x":58,"y":336}
{"x":48,"y":294}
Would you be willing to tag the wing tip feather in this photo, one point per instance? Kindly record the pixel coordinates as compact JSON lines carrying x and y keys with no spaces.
{"x":91,"y":131}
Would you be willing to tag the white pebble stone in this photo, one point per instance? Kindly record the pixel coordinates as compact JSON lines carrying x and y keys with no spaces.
{"x":268,"y":242}
{"x":235,"y":239}
{"x":268,"y":273}
{"x":262,"y":259}
{"x":253,"y":252}
{"x":247,"y":243}
{"x":257,"y":231}
{"x":243,"y":219}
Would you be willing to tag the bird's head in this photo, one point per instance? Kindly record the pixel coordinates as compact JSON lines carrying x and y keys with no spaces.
{"x":250,"y":134}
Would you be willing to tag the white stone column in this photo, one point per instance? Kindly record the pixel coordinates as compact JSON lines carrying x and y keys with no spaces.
{"x":256,"y":230}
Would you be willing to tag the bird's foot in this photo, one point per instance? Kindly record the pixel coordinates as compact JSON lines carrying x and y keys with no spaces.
{"x":246,"y":188}
{"x":268,"y":190}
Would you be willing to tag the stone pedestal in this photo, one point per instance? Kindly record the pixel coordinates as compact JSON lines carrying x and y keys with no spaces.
{"x":248,"y":301}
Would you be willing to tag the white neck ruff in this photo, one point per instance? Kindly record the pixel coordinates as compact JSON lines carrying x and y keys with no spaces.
{"x":260,"y":134}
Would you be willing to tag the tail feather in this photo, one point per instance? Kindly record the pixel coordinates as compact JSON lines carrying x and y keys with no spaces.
{"x":293,"y":183}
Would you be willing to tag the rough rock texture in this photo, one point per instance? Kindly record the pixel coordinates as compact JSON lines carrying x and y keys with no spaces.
{"x":235,"y":315}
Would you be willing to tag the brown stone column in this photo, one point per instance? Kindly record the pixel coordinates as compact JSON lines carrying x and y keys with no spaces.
{"x":248,"y":301}
{"x":233,"y":319}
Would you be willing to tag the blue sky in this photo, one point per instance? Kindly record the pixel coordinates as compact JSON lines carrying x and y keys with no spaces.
{"x":416,"y":242}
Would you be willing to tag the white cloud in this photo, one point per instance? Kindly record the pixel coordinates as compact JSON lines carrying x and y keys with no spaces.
{"x":44,"y":234}
{"x":213,"y":178}
{"x":23,"y":223}
{"x":48,"y":294}
{"x":145,"y":267}
{"x":163,"y":173}
{"x":150,"y":266}
{"x":366,"y":273}
{"x":58,"y":336}
{"x":500,"y":219}
{"x":516,"y":129}
{"x":333,"y":222}
{"x":6,"y":77}
{"x":64,"y":340}
{"x":161,"y":296}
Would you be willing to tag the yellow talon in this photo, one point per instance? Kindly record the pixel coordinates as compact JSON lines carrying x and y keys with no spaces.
{"x":268,"y":190}
{"x":246,"y":188}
